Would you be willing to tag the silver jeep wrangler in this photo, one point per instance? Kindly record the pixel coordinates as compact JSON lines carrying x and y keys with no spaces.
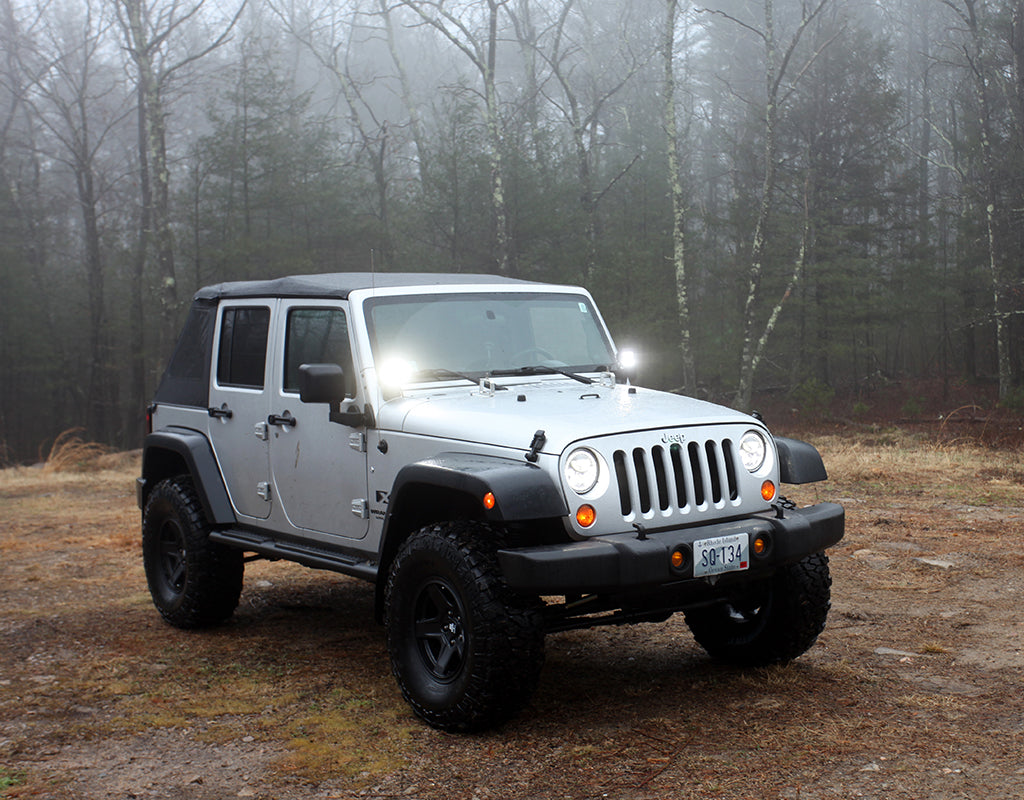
{"x":469,"y":443}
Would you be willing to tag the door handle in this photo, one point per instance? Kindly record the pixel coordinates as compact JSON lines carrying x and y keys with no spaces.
{"x":220,"y":413}
{"x":283,"y":419}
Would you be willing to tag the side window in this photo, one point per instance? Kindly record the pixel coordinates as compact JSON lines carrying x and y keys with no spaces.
{"x":242,"y":355}
{"x":317,"y":336}
{"x":187,"y":379}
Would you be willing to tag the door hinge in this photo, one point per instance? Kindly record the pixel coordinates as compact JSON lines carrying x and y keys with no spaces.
{"x":261,"y":431}
{"x":357,"y":441}
{"x":263,"y":490}
{"x":360,"y":508}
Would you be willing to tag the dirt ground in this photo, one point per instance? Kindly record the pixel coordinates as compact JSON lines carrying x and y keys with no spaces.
{"x":913,"y":691}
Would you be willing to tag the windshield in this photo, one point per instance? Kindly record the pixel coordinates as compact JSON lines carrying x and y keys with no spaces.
{"x":487,"y":334}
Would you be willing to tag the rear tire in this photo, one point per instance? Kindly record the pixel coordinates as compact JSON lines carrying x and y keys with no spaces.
{"x":772,"y":623}
{"x":466,"y":650}
{"x":194,"y":582}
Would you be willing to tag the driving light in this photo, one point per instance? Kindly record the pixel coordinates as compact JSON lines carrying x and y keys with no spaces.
{"x":628,"y":359}
{"x":753,"y":451}
{"x":395,"y":372}
{"x":581,"y":470}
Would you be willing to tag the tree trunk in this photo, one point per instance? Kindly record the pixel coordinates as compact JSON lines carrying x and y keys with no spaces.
{"x":776,"y":64}
{"x":996,"y":257}
{"x":749,"y":359}
{"x":503,"y":261}
{"x":154,"y":177}
{"x":138,"y":393}
{"x":689,"y":380}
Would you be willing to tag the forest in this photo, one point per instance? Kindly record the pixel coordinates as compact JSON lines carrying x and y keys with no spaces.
{"x":799,"y":197}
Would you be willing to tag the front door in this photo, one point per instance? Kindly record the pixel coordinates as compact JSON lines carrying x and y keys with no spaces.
{"x":238,"y":405}
{"x":319,"y":467}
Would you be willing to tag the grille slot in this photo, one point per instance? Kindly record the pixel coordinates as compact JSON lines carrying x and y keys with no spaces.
{"x":679,"y":477}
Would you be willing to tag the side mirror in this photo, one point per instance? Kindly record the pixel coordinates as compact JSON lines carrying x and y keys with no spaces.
{"x":321,"y":383}
{"x":325,"y":383}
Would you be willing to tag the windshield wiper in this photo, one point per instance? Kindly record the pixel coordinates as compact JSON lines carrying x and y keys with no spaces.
{"x":543,"y":369}
{"x":441,"y":372}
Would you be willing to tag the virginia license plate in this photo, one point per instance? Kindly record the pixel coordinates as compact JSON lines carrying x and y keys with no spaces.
{"x":721,"y":554}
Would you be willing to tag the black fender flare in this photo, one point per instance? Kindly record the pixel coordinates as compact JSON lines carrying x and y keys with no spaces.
{"x":164,"y":451}
{"x":521,"y":490}
{"x":799,"y":462}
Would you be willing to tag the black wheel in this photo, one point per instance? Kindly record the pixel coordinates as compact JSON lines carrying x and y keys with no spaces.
{"x":466,"y":651}
{"x":194,"y":582}
{"x":772,"y":623}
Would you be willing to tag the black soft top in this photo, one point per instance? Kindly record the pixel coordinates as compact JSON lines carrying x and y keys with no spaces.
{"x":186,"y":381}
{"x":340,"y":284}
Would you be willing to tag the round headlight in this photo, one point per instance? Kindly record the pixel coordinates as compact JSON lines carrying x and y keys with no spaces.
{"x":581,"y":470}
{"x":753,"y":450}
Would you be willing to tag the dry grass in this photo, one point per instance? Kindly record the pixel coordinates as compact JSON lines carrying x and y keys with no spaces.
{"x":896,"y":463}
{"x":69,"y":453}
{"x":44,"y":508}
{"x":296,"y":691}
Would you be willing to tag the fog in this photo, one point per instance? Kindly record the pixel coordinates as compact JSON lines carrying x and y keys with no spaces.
{"x":775,"y":197}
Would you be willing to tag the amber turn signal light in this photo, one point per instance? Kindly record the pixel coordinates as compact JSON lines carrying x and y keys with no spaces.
{"x":586,"y":515}
{"x":489,"y":501}
{"x":759,"y":545}
{"x":768,"y":491}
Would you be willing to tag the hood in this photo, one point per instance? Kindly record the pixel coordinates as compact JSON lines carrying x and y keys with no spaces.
{"x":567,"y":411}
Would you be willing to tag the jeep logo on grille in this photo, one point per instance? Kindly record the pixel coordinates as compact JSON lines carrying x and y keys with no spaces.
{"x":673,"y":438}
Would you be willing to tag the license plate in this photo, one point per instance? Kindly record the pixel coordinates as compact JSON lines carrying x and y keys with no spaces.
{"x":721,"y":554}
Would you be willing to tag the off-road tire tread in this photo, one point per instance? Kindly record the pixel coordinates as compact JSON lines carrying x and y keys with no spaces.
{"x":214,"y":572}
{"x":800,"y":602}
{"x":508,"y":629}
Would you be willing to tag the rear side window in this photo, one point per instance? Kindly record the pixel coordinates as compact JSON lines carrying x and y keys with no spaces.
{"x":317,"y":336}
{"x":242,"y":355}
{"x":186,"y":381}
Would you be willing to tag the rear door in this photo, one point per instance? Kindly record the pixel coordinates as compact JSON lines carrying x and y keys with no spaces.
{"x":238,"y":403}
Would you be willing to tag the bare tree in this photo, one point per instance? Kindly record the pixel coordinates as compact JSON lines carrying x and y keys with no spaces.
{"x":154,"y":36}
{"x":675,"y":181}
{"x":779,"y":83}
{"x":329,"y":34}
{"x":479,"y":44}
{"x":982,"y":73}
{"x":81,"y":102}
{"x":25,"y":199}
{"x":408,"y":99}
{"x":586,"y":82}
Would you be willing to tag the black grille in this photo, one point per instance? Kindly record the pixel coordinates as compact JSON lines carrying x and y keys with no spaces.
{"x":675,"y":476}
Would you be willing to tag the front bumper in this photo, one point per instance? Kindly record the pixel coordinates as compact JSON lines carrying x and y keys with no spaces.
{"x":624,"y":562}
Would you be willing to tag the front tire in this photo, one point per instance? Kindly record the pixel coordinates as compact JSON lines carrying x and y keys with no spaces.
{"x":194,"y":582}
{"x":772,"y":623}
{"x":466,"y":650}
